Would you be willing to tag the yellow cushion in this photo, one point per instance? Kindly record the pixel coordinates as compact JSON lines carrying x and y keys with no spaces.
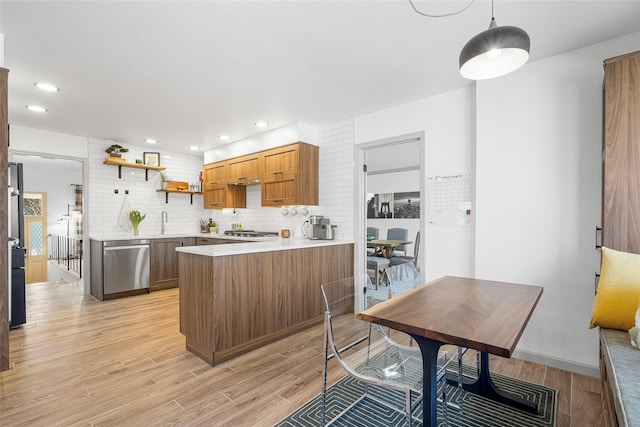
{"x":618,"y":291}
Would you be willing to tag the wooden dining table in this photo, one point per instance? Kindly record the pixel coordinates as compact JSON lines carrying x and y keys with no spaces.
{"x":484,"y":315}
{"x":386,"y":247}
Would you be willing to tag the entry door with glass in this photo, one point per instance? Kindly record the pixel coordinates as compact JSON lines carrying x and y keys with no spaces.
{"x":35,"y":224}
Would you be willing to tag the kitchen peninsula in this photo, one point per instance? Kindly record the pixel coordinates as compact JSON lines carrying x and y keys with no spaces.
{"x":238,"y":297}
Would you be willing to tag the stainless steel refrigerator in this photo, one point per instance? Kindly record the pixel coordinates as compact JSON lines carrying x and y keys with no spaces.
{"x":17,"y":294}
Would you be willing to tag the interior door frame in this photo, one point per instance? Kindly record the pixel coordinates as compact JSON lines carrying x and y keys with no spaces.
{"x":360,"y":262}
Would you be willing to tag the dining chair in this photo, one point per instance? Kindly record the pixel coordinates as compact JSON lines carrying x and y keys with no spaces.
{"x":401,"y":259}
{"x":366,"y":355}
{"x":373,"y":233}
{"x":378,"y":264}
{"x":398,"y":234}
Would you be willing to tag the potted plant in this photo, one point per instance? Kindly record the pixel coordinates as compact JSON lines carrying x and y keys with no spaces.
{"x":213,"y":226}
{"x":164,"y":181}
{"x":116,"y":150}
{"x":136,"y":218}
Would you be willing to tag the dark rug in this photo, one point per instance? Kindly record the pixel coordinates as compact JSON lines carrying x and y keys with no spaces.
{"x":475,"y":411}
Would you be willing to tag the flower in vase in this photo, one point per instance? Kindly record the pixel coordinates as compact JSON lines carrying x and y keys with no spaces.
{"x":136,"y":219}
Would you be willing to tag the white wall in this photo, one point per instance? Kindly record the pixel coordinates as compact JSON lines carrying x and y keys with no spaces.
{"x":447,"y":121}
{"x":538,"y":179}
{"x":106,"y":206}
{"x":57,"y":144}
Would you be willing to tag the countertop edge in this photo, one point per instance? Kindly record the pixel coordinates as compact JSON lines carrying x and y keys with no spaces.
{"x":278,"y":244}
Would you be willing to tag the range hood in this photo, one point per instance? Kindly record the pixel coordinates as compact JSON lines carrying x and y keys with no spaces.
{"x":246,"y":183}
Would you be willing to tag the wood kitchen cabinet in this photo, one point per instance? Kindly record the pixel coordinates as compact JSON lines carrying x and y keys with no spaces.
{"x":217,"y":193}
{"x":244,"y":169}
{"x":164,"y":263}
{"x":621,"y":165}
{"x":290,"y":175}
{"x":232,"y":304}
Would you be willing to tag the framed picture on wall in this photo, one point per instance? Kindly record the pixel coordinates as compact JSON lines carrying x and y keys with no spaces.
{"x":383,"y":203}
{"x":406,"y":205}
{"x":151,"y":158}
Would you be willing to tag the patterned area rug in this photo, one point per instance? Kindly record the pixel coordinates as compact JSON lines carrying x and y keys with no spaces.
{"x":475,"y":410}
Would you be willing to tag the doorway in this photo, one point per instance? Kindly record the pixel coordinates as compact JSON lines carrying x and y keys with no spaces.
{"x":391,"y":192}
{"x":35,"y":226}
{"x":59,"y":181}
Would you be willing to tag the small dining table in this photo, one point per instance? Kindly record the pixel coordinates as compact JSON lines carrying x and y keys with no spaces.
{"x":483,"y":315}
{"x":386,"y":247}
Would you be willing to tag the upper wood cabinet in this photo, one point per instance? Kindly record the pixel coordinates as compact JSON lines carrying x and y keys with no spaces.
{"x":244,"y":168}
{"x":621,"y":166}
{"x":215,"y":173}
{"x":290,"y":175}
{"x":217,"y":193}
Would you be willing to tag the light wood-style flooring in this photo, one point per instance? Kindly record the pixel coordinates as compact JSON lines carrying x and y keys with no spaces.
{"x":81,"y":362}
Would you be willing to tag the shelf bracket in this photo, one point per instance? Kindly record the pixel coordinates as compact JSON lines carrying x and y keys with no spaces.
{"x":119,"y":171}
{"x":191,"y":198}
{"x":166,"y":198}
{"x":146,"y":174}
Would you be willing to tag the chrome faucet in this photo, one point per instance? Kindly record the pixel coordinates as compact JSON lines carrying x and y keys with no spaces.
{"x":164,"y":220}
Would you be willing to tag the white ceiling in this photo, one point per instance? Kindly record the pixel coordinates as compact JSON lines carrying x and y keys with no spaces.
{"x":186,"y":72}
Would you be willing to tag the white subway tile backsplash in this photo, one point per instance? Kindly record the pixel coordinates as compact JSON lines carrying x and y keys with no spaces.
{"x":337,"y":184}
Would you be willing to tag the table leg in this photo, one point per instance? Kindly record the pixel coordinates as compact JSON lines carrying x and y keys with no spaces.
{"x":484,"y":386}
{"x":429,"y":349}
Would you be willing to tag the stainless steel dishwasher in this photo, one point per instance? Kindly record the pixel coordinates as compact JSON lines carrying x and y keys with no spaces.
{"x":126,"y":265}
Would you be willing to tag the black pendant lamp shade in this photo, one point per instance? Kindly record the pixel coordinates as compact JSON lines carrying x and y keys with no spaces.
{"x":494,"y":52}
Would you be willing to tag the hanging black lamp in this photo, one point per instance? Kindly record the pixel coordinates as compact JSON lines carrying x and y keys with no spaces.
{"x":494,"y":52}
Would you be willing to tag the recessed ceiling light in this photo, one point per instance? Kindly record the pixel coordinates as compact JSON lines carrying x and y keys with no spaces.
{"x":47,"y":87}
{"x":166,"y":157}
{"x":261,"y":124}
{"x":224,"y":137}
{"x":194,"y":148}
{"x":36,"y":108}
{"x":150,"y":141}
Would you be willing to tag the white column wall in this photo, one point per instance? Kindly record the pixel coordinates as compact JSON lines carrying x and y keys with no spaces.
{"x":538,"y":191}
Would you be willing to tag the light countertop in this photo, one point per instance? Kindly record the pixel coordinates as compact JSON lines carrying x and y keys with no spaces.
{"x":272,"y":244}
{"x":129,"y":236}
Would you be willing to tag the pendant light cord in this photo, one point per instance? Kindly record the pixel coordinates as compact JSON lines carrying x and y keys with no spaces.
{"x":446,"y":14}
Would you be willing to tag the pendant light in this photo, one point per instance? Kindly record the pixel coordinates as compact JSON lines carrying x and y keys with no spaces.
{"x":494,"y":52}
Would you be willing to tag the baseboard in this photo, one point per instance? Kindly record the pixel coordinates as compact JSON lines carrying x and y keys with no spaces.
{"x":564,"y":364}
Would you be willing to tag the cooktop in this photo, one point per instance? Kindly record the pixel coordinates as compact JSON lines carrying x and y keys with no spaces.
{"x":250,"y":233}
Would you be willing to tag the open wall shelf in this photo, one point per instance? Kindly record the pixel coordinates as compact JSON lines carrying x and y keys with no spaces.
{"x":121,"y":165}
{"x":166,"y":199}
